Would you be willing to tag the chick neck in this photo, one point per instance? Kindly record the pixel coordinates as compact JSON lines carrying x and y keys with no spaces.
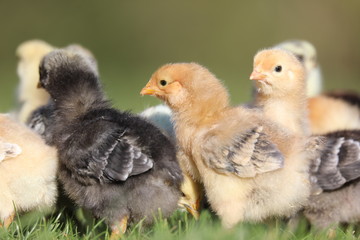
{"x":287,"y":109}
{"x":201,"y":108}
{"x":79,"y":99}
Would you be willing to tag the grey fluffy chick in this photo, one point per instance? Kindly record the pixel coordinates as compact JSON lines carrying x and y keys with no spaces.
{"x":113,"y":163}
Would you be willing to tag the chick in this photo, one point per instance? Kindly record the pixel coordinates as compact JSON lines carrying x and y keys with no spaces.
{"x":241,"y":158}
{"x":112,"y":163}
{"x":336,"y":174}
{"x":28,"y":172}
{"x":30,"y":97}
{"x":306,"y":54}
{"x":329,"y":111}
{"x":335,"y":171}
{"x":41,"y":118}
{"x":280,"y":81}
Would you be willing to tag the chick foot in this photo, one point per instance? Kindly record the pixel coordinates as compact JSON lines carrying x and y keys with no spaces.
{"x":119,"y":229}
{"x":8,"y":221}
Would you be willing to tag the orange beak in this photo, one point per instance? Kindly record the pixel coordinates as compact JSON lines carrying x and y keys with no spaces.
{"x":255,"y":75}
{"x":148,"y":90}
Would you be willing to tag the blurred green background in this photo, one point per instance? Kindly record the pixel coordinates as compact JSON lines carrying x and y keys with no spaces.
{"x":132,"y":38}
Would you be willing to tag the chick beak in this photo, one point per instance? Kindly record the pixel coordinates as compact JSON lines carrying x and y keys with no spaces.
{"x":39,"y":85}
{"x":193,"y":209}
{"x":148,"y":90}
{"x":257,"y":76}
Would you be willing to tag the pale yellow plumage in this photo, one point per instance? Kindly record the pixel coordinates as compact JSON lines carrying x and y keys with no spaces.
{"x":30,"y":97}
{"x":27,"y":178}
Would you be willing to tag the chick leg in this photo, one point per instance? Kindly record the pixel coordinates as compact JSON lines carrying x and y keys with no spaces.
{"x":230,"y":212}
{"x":119,"y":229}
{"x":193,"y":194}
{"x":8,"y":221}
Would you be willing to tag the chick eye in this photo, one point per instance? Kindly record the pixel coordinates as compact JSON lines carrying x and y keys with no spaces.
{"x":300,"y":57}
{"x":163,"y":82}
{"x":278,"y":68}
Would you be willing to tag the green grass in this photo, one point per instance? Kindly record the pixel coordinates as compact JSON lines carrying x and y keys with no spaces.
{"x":180,"y":226}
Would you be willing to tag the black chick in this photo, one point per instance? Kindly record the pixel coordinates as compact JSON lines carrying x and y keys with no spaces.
{"x":113,"y":163}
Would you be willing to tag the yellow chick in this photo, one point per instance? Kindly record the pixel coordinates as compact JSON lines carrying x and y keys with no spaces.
{"x":280,"y":81}
{"x":30,"y":97}
{"x":241,"y":158}
{"x":27,"y":172}
{"x":330,"y":111}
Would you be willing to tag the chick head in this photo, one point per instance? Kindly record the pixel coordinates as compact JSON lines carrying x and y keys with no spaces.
{"x":277,"y":72}
{"x":86,"y":53}
{"x":306,"y":53}
{"x":183,"y":83}
{"x":63,"y":71}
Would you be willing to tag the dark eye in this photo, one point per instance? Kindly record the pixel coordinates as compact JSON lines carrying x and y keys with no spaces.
{"x":278,"y":68}
{"x":300,"y":57}
{"x":163,"y":82}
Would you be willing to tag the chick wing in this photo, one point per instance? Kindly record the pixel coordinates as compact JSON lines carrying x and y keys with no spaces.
{"x":340,"y":160}
{"x":107,"y":153}
{"x":245,"y":155}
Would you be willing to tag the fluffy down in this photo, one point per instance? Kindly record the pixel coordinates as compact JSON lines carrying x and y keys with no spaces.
{"x":28,"y":171}
{"x":241,"y":158}
{"x":113,"y":163}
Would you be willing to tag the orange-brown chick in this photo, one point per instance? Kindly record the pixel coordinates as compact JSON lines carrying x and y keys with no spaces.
{"x":281,"y":89}
{"x":329,"y":114}
{"x":241,"y":158}
{"x":27,"y":172}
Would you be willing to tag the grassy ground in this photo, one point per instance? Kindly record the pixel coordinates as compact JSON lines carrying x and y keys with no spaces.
{"x":179,"y":226}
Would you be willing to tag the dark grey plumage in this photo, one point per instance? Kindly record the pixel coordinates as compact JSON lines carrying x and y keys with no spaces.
{"x":336,"y":175}
{"x":40,"y":121}
{"x":113,"y":163}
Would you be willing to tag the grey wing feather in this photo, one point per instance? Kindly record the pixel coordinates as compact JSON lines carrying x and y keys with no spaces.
{"x":350,"y":160}
{"x":247,"y":155}
{"x":339,"y":163}
{"x":119,"y":159}
{"x":328,"y":175}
